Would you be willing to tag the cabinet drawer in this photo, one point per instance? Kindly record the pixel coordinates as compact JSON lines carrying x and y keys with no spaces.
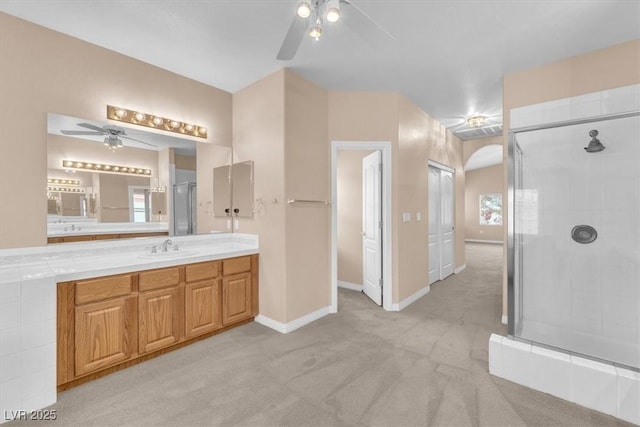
{"x":103,"y":288}
{"x":159,"y":278}
{"x":203,"y":270}
{"x":236,"y":265}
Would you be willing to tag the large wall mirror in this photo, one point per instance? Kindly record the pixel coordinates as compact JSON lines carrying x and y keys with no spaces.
{"x":109,"y":179}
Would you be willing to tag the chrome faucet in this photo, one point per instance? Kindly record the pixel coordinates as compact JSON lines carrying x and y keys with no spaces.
{"x":165,"y":244}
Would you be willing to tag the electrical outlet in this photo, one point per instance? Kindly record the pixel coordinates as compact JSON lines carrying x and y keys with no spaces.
{"x":229,"y":224}
{"x":236,"y":224}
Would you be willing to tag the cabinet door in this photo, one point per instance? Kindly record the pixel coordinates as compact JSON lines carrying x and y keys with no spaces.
{"x":202,"y":307}
{"x":236,"y":298}
{"x":104,"y":334}
{"x":159,"y":321}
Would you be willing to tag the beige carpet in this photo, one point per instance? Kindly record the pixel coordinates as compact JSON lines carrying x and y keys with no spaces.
{"x":424,"y":366}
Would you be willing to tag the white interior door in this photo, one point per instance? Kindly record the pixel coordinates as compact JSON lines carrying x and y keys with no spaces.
{"x":372,"y":226}
{"x":441,"y":223}
{"x":446,"y":224}
{"x":434,"y":224}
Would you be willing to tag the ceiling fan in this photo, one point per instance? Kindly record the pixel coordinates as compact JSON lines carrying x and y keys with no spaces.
{"x":111,"y":133}
{"x":310,"y":17}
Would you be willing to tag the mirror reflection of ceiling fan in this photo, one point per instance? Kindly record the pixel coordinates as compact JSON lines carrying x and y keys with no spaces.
{"x":111,"y":133}
{"x":311,"y":15}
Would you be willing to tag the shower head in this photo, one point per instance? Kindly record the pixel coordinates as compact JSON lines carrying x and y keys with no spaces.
{"x":594,"y":145}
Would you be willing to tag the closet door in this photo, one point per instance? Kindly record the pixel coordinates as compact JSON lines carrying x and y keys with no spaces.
{"x":441,"y":223}
{"x":434,"y":224}
{"x":447,"y":193}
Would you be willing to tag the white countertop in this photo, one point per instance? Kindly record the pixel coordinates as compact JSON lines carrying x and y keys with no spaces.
{"x":74,"y":261}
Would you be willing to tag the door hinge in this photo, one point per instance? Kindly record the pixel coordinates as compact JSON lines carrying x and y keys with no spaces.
{"x":381,"y":282}
{"x":380,"y":224}
{"x":380,"y":167}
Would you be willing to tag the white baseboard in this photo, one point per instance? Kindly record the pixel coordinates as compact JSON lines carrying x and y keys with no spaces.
{"x":349,"y":285}
{"x":285,"y":328}
{"x":505,"y":319}
{"x":410,"y":300}
{"x":460,"y":269}
{"x":498,"y":242}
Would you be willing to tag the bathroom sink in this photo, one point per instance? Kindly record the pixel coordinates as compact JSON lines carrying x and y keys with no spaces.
{"x":170,"y":254}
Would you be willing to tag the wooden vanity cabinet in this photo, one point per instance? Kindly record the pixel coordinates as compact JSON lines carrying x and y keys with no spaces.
{"x":105,"y":324}
{"x":104,"y":334}
{"x":108,"y":323}
{"x":203,"y":306}
{"x":160,"y":308}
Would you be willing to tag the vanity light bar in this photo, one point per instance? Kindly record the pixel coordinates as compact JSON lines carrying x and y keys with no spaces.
{"x":65,"y":189}
{"x":101,"y":167}
{"x":156,"y":122}
{"x":56,"y":181}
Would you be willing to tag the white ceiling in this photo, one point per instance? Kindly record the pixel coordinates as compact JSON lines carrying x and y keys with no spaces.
{"x":448,"y":57}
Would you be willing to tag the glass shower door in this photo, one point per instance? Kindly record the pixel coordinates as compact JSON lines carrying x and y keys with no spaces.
{"x":576,"y":238}
{"x":184,"y":208}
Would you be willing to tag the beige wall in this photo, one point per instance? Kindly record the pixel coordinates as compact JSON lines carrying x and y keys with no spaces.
{"x":306,"y":170}
{"x":416,"y":138}
{"x":420,"y":139}
{"x":349,"y":213}
{"x":43,"y":71}
{"x":258,"y":135}
{"x":477,"y":182}
{"x":599,"y":70}
{"x":280,"y":123}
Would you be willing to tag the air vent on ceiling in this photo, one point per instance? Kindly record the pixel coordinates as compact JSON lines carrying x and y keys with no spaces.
{"x":485,"y":131}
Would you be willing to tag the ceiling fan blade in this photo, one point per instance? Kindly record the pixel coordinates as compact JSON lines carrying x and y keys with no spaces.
{"x":365,"y":26}
{"x":94,"y":127}
{"x":137,"y":140}
{"x":80,"y":132}
{"x":294,"y":37}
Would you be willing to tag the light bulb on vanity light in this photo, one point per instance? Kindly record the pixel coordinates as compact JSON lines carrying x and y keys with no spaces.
{"x":157,"y":121}
{"x":139,"y":117}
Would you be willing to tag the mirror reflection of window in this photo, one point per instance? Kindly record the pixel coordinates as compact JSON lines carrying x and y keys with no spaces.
{"x":139,"y":205}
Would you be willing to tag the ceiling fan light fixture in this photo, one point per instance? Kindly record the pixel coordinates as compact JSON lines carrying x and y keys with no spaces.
{"x":304,"y":9}
{"x":476,"y":121}
{"x":333,"y":11}
{"x":316,"y":31}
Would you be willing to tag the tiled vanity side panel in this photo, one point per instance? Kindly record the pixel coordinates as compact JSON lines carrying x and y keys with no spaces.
{"x":27,"y":342}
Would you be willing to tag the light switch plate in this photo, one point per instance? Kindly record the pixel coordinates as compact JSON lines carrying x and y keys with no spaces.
{"x":418,"y":216}
{"x":406,"y":216}
{"x":236,"y":224}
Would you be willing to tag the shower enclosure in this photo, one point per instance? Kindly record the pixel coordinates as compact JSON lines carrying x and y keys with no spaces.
{"x":184,"y":208}
{"x":574,"y":237}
